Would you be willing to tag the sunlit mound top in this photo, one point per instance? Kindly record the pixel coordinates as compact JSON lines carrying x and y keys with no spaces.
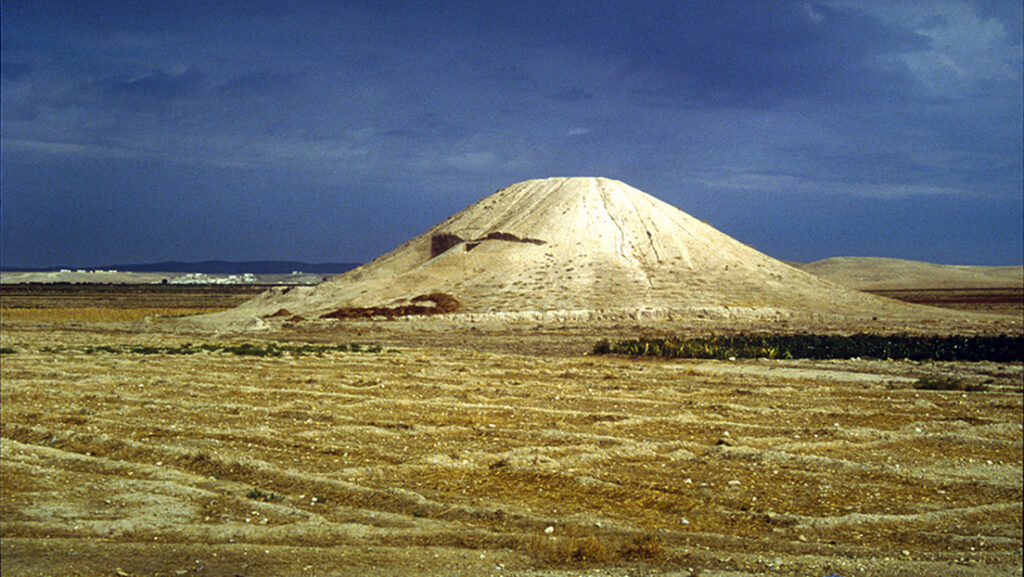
{"x":566,"y":244}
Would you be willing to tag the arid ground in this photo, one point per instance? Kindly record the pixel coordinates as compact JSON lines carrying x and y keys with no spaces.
{"x":484,"y":454}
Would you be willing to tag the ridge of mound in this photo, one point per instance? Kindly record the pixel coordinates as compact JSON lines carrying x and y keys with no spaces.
{"x":572,"y":248}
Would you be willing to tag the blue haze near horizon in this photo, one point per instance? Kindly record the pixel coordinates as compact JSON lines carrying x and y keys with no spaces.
{"x":334,"y":131}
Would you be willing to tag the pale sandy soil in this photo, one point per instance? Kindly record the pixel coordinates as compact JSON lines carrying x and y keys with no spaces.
{"x":439,"y":457}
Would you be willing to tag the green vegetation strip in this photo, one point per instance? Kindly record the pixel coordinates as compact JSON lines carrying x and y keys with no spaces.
{"x":242,"y":349}
{"x":950,"y":348}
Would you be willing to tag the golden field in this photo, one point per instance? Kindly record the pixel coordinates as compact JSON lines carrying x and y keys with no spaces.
{"x":441,"y":454}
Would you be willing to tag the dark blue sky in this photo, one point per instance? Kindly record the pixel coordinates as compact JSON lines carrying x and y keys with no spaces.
{"x":334,"y":131}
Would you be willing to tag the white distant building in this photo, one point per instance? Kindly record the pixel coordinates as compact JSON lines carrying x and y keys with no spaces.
{"x":202,"y":278}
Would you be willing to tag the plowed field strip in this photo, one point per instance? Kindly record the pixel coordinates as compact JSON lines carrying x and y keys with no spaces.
{"x":425,"y":448}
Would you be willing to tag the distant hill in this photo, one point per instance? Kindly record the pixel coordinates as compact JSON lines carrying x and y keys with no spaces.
{"x":875,"y":273}
{"x":214,"y":267}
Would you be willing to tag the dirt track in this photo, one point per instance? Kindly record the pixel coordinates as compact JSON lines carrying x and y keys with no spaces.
{"x":420,"y":460}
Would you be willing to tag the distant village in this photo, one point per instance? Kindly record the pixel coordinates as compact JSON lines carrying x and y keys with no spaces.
{"x":114,"y":276}
{"x":187,"y":278}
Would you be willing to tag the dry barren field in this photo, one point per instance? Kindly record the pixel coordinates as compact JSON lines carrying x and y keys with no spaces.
{"x":441,"y":457}
{"x":1003,"y":300}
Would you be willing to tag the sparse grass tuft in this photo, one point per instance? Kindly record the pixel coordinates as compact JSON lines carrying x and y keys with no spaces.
{"x":577,"y":548}
{"x":646,"y":547}
{"x":573,"y":550}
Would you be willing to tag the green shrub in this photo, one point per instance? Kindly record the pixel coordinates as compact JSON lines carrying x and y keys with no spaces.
{"x":951,"y":348}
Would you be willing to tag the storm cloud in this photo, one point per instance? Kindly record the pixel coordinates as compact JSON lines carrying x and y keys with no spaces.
{"x":334,"y":131}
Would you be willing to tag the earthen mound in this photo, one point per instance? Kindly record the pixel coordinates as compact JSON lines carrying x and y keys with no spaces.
{"x":574,"y":248}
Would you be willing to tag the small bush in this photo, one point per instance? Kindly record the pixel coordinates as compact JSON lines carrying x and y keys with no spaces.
{"x":8,"y":350}
{"x":258,"y":495}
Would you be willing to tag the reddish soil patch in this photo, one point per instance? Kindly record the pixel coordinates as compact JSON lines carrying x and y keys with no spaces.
{"x":441,"y":303}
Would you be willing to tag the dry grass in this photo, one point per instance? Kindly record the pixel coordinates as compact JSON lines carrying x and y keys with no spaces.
{"x":97,"y":314}
{"x":432,"y":460}
{"x":471,"y":455}
{"x":579,"y":546}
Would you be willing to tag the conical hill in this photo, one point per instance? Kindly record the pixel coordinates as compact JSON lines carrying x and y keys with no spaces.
{"x":592,"y":246}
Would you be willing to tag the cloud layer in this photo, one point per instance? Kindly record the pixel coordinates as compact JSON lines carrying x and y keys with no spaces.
{"x":369,"y":108}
